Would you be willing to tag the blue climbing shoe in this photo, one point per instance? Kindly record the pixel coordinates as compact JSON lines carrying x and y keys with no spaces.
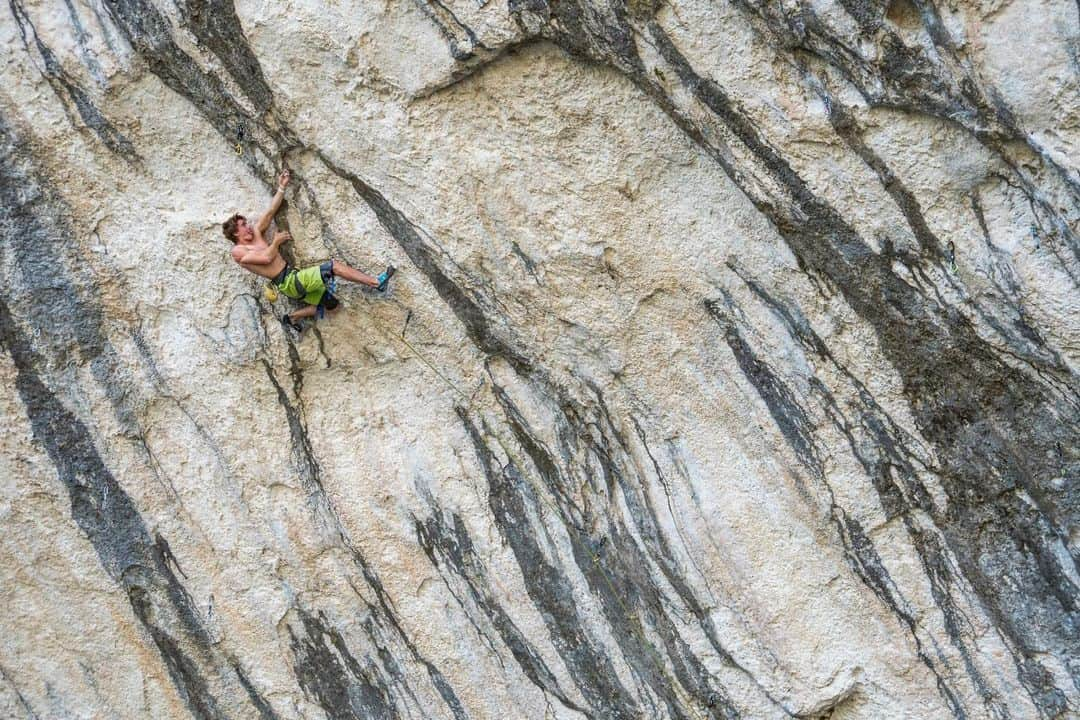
{"x":384,"y":278}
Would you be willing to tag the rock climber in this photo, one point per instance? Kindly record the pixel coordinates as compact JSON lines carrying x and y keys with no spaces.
{"x":312,"y":284}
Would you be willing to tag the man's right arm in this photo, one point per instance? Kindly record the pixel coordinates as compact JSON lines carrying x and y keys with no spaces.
{"x":261,"y":257}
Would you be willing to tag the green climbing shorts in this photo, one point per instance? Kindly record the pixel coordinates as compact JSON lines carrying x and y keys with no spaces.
{"x":307,"y":284}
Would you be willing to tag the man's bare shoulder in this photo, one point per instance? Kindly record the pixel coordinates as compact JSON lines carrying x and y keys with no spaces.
{"x":238,"y":253}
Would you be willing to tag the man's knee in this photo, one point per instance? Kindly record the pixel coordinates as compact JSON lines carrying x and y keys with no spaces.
{"x":329,"y":303}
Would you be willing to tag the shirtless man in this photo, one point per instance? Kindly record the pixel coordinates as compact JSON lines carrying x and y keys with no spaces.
{"x":310,"y":284}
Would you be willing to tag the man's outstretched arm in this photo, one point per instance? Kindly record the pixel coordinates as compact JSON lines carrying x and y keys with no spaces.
{"x":275,"y":204}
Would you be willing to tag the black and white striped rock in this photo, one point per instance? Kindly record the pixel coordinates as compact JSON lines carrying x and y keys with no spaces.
{"x":730,"y":370}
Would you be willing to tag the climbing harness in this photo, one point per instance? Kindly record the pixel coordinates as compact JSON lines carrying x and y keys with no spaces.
{"x":331,"y":286}
{"x":291,"y":282}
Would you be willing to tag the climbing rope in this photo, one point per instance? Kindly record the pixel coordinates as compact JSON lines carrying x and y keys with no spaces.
{"x":420,"y":356}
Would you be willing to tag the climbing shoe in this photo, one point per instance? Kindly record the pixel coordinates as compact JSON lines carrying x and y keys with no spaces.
{"x":384,"y":278}
{"x":290,"y":324}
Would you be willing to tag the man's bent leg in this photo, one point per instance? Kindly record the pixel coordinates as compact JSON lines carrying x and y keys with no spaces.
{"x":292,"y":320}
{"x":304,"y":312}
{"x":342,"y":270}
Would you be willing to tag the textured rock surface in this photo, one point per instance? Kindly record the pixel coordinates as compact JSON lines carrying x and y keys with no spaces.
{"x":731,"y":370}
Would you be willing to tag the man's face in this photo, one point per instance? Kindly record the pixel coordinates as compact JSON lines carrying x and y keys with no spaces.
{"x":244,"y":233}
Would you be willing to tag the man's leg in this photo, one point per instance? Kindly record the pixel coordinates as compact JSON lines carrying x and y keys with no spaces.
{"x":304,"y":312}
{"x":292,"y":320}
{"x":342,"y":270}
{"x":329,"y":304}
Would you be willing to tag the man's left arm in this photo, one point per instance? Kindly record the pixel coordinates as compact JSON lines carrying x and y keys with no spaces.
{"x":264,"y":222}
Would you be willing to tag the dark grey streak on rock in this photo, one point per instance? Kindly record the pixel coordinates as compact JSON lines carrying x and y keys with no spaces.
{"x":215,"y":24}
{"x":459,"y":36}
{"x":31,"y":222}
{"x":450,"y":549}
{"x":309,"y":471}
{"x":511,"y":500}
{"x":150,"y":34}
{"x":69,"y":91}
{"x":799,"y":431}
{"x":345,"y":688}
{"x":995,"y":428}
{"x":609,"y":559}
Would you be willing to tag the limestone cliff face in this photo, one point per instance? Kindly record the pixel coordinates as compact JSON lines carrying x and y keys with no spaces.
{"x":730,"y":371}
